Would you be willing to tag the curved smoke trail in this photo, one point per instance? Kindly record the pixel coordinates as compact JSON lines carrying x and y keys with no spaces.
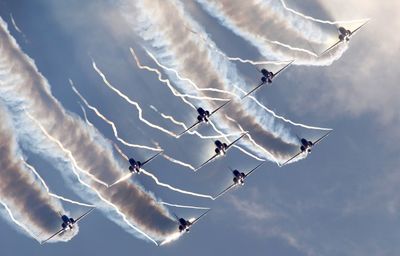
{"x":29,"y":206}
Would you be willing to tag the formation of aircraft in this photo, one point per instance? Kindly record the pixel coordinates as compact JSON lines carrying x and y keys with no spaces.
{"x":344,"y":36}
{"x":67,"y":224}
{"x":220,"y":150}
{"x":184,"y":225}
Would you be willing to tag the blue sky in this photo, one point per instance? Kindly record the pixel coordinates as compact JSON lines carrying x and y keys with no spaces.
{"x":341,"y":200}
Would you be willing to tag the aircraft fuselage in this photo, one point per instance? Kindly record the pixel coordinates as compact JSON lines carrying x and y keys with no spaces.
{"x":238,"y":177}
{"x":306,"y":145}
{"x":68,"y":223}
{"x":267,"y":76}
{"x":203,"y":115}
{"x":344,"y":34}
{"x":220,"y":147}
{"x":134,"y":165}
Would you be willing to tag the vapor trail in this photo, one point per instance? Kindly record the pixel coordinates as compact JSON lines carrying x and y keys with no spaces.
{"x":173,"y":188}
{"x":185,"y":206}
{"x":185,"y":79}
{"x":168,"y":83}
{"x":15,"y":24}
{"x":112,"y":124}
{"x":23,"y":87}
{"x":68,"y":152}
{"x":245,"y":61}
{"x":318,"y":20}
{"x":131,"y":102}
{"x":48,"y":190}
{"x":28,"y":205}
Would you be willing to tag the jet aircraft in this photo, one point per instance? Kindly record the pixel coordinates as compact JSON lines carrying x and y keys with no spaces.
{"x":238,"y":179}
{"x":67,"y":224}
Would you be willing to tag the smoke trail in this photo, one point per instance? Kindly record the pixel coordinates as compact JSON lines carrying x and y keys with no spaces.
{"x":168,"y":83}
{"x":113,"y":126}
{"x":23,"y":87}
{"x":173,"y":188}
{"x":131,"y":102}
{"x":28,"y":205}
{"x":318,"y":20}
{"x":197,"y":88}
{"x":185,"y":206}
{"x":251,"y":21}
{"x":244,"y":61}
{"x":48,"y":190}
{"x":15,"y":24}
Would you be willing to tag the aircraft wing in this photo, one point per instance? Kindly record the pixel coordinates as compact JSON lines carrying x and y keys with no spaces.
{"x":188,"y":129}
{"x":151,"y":158}
{"x":330,"y":48}
{"x":317,"y":141}
{"x":285,"y":67}
{"x":201,"y":216}
{"x":253,"y":90}
{"x":233,"y":142}
{"x":56,"y":234}
{"x":355,"y":30}
{"x":293,"y":157}
{"x":223,"y":105}
{"x":84,"y":215}
{"x":225,"y":190}
{"x":206,"y":162}
{"x":255,"y":168}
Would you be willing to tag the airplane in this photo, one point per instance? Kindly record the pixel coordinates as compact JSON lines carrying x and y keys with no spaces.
{"x":238,"y":179}
{"x":221,"y":149}
{"x":203,"y":116}
{"x":135,"y":166}
{"x":184,"y":225}
{"x":344,"y":36}
{"x":306,"y":146}
{"x":67,"y":224}
{"x":267,"y":77}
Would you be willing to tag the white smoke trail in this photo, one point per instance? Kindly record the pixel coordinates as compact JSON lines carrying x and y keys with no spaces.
{"x":112,"y":124}
{"x":69,"y":153}
{"x":185,"y":206}
{"x":185,"y":79}
{"x":28,"y":205}
{"x":165,"y":81}
{"x":131,"y":102}
{"x":173,"y":188}
{"x":19,"y":224}
{"x":15,"y":24}
{"x":244,"y":61}
{"x":23,"y":87}
{"x":319,"y":20}
{"x":48,"y":190}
